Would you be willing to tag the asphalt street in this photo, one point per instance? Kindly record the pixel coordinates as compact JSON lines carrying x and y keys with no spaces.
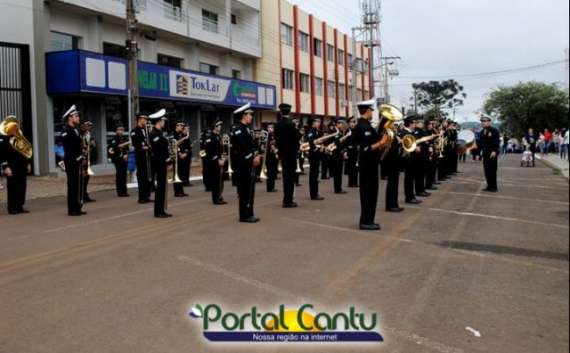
{"x":465,"y":272}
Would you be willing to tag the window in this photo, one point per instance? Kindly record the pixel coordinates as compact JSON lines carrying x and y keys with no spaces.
{"x":234,"y":19}
{"x":287,"y":34}
{"x":341,"y":57}
{"x":288,"y":79}
{"x":330,"y":53}
{"x":318,"y":86}
{"x":208,"y":69}
{"x":236,"y":74}
{"x":169,"y":61}
{"x":350,"y":63}
{"x":209,"y":21}
{"x":61,"y":41}
{"x":304,"y":42}
{"x":318,"y":44}
{"x":118,"y":51}
{"x":342,"y":90}
{"x":305,"y":83}
{"x":173,"y":9}
{"x":331,"y":88}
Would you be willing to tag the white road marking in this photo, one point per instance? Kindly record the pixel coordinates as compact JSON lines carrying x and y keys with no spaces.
{"x":562,"y":203}
{"x":474,"y":332}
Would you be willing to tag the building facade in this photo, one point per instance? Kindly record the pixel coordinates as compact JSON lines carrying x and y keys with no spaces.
{"x":197,"y":59}
{"x":311,"y":63}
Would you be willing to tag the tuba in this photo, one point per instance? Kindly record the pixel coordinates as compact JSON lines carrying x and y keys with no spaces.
{"x":392,"y":115}
{"x":11,"y":128}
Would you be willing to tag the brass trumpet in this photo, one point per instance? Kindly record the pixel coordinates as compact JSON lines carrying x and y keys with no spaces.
{"x":11,"y":128}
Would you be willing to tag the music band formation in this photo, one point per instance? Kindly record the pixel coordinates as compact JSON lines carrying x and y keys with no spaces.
{"x":426,"y":152}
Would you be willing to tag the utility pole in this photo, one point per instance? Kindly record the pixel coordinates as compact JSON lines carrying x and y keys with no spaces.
{"x":388,"y":74}
{"x":371,"y":9}
{"x":132,"y":48}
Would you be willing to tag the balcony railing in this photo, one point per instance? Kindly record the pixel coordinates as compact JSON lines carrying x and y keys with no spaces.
{"x":210,"y":25}
{"x":174,"y":13}
{"x":140,"y":5}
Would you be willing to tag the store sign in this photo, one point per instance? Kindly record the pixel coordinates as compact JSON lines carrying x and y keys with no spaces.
{"x":79,"y":71}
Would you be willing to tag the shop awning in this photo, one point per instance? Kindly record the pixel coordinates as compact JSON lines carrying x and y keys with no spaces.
{"x":79,"y":71}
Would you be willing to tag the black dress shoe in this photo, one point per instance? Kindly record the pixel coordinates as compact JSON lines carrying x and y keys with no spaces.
{"x":370,"y":227}
{"x":163,"y":215}
{"x":13,"y":212}
{"x":342,"y":192}
{"x":298,"y":185}
{"x":437,"y":183}
{"x":414,"y":202}
{"x":123,"y":195}
{"x":250,"y":220}
{"x":423,"y":194}
{"x":142,"y":202}
{"x":23,"y":211}
{"x":353,"y":186}
{"x":88,"y":200}
{"x":394,"y":210}
{"x":77,"y":214}
{"x":181,"y":195}
{"x":318,"y":198}
{"x":290,"y":205}
{"x":220,"y":203}
{"x":491,"y":190}
{"x":432,"y":188}
{"x":271,"y":191}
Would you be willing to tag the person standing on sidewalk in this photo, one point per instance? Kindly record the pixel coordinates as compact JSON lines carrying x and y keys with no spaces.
{"x":491,"y":141}
{"x":530,"y":140}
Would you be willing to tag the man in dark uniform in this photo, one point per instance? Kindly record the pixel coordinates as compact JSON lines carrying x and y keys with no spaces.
{"x":410,"y":162}
{"x":90,"y":146}
{"x":326,"y":171}
{"x":15,"y":166}
{"x":161,"y":157}
{"x":315,"y":157}
{"x":352,"y":156}
{"x":369,"y":144}
{"x":214,"y":162}
{"x":119,"y":155}
{"x":187,"y":162}
{"x":74,"y":161}
{"x":491,"y":142}
{"x":272,"y":163}
{"x":245,"y":159}
{"x":206,"y":179}
{"x":421,"y":161}
{"x":287,"y":140}
{"x":183,"y":169}
{"x":337,"y":158}
{"x":391,"y":165}
{"x":431,"y":168}
{"x":141,"y":144}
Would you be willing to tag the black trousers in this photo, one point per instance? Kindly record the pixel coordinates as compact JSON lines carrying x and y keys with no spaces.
{"x":206,"y":175}
{"x":315,"y":162}
{"x":184,"y":170}
{"x":216,"y":180}
{"x":246,"y":192}
{"x":441,"y":168}
{"x":160,"y":195}
{"x":16,"y":186}
{"x":142,"y":177}
{"x":491,"y":165}
{"x":393,"y":185}
{"x":409,"y":181}
{"x":290,"y":176}
{"x":431,"y":173}
{"x":73,"y":187}
{"x":86,"y":185}
{"x":336,"y":167}
{"x":369,"y":185}
{"x":352,"y":171}
{"x":420,"y":172}
{"x":325,"y":166}
{"x":121,"y":178}
{"x":272,"y":171}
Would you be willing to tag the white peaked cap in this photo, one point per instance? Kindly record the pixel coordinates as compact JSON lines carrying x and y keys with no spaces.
{"x":369,"y":103}
{"x":71,"y":110}
{"x":245,"y":109}
{"x":158,"y":115}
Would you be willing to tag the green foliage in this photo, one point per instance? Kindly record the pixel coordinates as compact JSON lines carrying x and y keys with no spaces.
{"x":529,"y":104}
{"x":434,"y":96}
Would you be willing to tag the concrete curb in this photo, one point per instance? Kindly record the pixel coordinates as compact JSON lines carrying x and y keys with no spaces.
{"x":563,"y":171}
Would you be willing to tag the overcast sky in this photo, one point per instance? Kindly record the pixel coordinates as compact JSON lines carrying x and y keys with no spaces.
{"x":446,"y":38}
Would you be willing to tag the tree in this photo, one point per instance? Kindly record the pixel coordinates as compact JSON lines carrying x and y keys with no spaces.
{"x":529,"y":104}
{"x":434,"y":96}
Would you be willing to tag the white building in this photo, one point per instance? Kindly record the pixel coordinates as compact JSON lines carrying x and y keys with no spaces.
{"x":73,"y":51}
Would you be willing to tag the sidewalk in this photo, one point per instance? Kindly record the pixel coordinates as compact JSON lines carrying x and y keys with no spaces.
{"x":553,"y":161}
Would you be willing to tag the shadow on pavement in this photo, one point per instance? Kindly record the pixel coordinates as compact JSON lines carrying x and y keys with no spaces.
{"x":506,"y":250}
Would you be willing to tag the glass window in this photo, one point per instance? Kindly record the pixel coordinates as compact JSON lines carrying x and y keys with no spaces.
{"x":330,"y":53}
{"x":287,"y":34}
{"x":331,"y":88}
{"x":234,"y":19}
{"x":288,"y":79}
{"x":342,"y":90}
{"x":305,"y":83}
{"x":169,"y":61}
{"x":115,"y":50}
{"x":61,"y":41}
{"x":350,"y":63}
{"x":318,"y":44}
{"x":341,"y":57}
{"x":318,"y":86}
{"x":209,"y":21}
{"x":236,"y":74}
{"x":304,"y":42}
{"x":208,"y":69}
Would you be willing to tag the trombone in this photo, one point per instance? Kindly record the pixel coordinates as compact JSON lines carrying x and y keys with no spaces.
{"x":265,"y":141}
{"x":174,"y":179}
{"x":306,"y":147}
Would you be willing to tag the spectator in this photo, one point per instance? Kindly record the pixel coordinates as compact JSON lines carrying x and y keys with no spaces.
{"x":564,"y":135}
{"x":530,"y":140}
{"x":547,"y":141}
{"x":58,"y":149}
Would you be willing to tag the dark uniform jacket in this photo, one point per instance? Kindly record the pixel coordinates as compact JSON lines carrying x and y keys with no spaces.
{"x":118,"y":153}
{"x":287,"y":138}
{"x":160,"y":148}
{"x":364,"y":137}
{"x":139,"y":139}
{"x":214,"y":148}
{"x":310,"y":137}
{"x":243,"y":148}
{"x":490,"y":140}
{"x":73,"y":146}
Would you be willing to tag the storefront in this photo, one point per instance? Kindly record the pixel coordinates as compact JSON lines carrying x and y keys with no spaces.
{"x":97,"y":84}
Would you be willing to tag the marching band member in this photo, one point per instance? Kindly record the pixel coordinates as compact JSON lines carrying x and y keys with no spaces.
{"x":336,"y":159}
{"x":369,"y":144}
{"x":90,"y":147}
{"x":245,"y":161}
{"x":410,"y":163}
{"x":287,"y":140}
{"x":352,"y":157}
{"x":74,"y":162}
{"x":186,"y":148}
{"x":141,"y":144}
{"x":205,"y":136}
{"x":432,"y":157}
{"x":272,"y":163}
{"x":119,"y":155}
{"x":214,"y":162}
{"x":182,"y":140}
{"x":491,"y":142}
{"x":391,"y":165}
{"x":15,"y":166}
{"x":315,"y":157}
{"x":160,"y":147}
{"x":421,"y":161}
